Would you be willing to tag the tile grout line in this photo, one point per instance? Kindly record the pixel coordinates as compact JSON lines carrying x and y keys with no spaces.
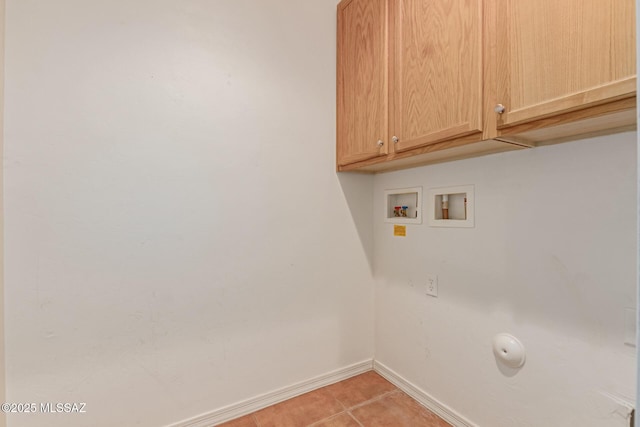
{"x":344,"y":409}
{"x":375,"y":399}
{"x":359,"y":405}
{"x":355,"y":419}
{"x":396,"y":388}
{"x":315,"y":423}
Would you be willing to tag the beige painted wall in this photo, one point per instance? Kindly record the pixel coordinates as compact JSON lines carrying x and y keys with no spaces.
{"x":177,"y":239}
{"x":3,"y":421}
{"x":551,"y":260}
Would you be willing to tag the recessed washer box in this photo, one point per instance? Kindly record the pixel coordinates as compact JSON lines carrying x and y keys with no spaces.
{"x":451,"y":206}
{"x":403,"y":205}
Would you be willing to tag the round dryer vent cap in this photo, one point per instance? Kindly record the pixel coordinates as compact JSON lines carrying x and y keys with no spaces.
{"x":508,"y":350}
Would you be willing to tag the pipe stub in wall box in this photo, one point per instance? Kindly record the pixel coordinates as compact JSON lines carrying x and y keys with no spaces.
{"x":508,"y":350}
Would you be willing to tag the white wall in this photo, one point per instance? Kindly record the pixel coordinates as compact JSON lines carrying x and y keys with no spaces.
{"x":3,"y":420}
{"x":551,"y":260}
{"x":637,"y":402}
{"x":177,"y":239}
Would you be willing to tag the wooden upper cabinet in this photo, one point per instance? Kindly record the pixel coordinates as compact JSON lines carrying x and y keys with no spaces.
{"x":362,"y":80}
{"x":418,"y":80}
{"x":436,"y":71}
{"x":556,"y":57}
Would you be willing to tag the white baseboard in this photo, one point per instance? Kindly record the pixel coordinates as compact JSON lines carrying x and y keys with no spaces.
{"x":251,"y":405}
{"x":428,"y":401}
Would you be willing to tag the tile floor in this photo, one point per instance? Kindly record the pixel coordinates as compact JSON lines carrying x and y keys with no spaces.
{"x":366,"y":400}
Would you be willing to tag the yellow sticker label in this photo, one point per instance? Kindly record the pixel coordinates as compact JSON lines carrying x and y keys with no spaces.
{"x":399,"y":230}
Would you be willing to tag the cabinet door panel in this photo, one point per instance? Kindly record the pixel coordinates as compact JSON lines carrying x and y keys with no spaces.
{"x":556,"y":56}
{"x":436,"y":70}
{"x":362,"y":113}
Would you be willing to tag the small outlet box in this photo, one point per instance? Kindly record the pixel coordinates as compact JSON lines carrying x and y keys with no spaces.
{"x":432,"y":285}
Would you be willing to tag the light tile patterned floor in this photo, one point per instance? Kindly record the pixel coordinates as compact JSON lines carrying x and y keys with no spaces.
{"x":366,"y":400}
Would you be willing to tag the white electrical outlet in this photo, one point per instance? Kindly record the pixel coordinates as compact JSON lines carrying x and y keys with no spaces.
{"x":432,"y":285}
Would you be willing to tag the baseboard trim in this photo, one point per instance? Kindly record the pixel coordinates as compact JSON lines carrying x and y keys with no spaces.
{"x":248,"y":406}
{"x":425,"y":399}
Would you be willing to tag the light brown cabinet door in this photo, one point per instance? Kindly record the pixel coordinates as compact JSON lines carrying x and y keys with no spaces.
{"x":436,"y":71}
{"x":556,"y":57}
{"x":362,"y":75}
